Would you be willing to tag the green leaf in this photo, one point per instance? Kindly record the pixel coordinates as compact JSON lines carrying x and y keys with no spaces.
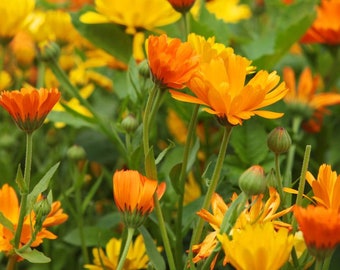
{"x":150,"y":165}
{"x":283,"y":30}
{"x":33,"y":255}
{"x":4,"y":221}
{"x":250,"y":143}
{"x":41,"y":186}
{"x":91,"y":193}
{"x":19,"y":179}
{"x":109,"y":37}
{"x":174,"y":177}
{"x":94,"y":236}
{"x":164,"y":152}
{"x":151,"y":249}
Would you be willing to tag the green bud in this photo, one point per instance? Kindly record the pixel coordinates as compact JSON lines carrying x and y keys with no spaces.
{"x":143,"y":69}
{"x":41,"y":209}
{"x":48,"y":50}
{"x":76,"y":153}
{"x":129,"y":123}
{"x":253,"y":181}
{"x":279,"y":141}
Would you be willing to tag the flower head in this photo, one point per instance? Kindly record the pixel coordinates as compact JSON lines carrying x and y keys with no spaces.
{"x":14,"y":16}
{"x":320,"y":228}
{"x":182,"y":6}
{"x":245,"y":251}
{"x":29,"y":107}
{"x":136,"y":256}
{"x":302,"y":98}
{"x":135,"y":15}
{"x":172,"y":62}
{"x":9,"y":207}
{"x":326,"y":187}
{"x":326,"y":27}
{"x":133,"y":194}
{"x":220,"y":85}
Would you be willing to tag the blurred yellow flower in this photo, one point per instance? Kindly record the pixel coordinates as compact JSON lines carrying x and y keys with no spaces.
{"x":230,"y":11}
{"x":14,"y":15}
{"x":5,"y":79}
{"x":257,"y":247}
{"x":134,"y":14}
{"x":136,"y":257}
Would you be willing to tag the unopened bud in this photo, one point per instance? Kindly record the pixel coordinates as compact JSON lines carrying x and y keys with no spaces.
{"x":129,"y":123}
{"x":278,"y":140}
{"x":76,"y":153}
{"x":253,"y":181}
{"x":41,"y":209}
{"x":144,"y":69}
{"x":48,"y":50}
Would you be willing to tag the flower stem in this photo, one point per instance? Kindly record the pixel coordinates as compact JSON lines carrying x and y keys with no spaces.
{"x":126,"y":248}
{"x":151,"y":171}
{"x":212,"y":187}
{"x":24,"y":190}
{"x":181,"y":184}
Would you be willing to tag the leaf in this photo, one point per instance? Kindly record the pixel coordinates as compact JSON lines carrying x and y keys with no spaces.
{"x":174,"y":177}
{"x":283,"y":30}
{"x":151,"y":249}
{"x":4,"y":221}
{"x":150,"y":166}
{"x":250,"y":143}
{"x":164,"y":152}
{"x":33,"y":255}
{"x":91,"y":193}
{"x":109,"y":36}
{"x":94,"y":235}
{"x":41,"y":186}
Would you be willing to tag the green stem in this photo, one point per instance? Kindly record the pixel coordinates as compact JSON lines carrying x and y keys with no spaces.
{"x":126,"y":248}
{"x":41,"y":74}
{"x":302,"y":180}
{"x":12,"y":262}
{"x":181,"y":184}
{"x":24,"y":190}
{"x":212,"y":187}
{"x":327,"y":261}
{"x":186,"y":25}
{"x":151,"y":171}
{"x":318,"y":264}
{"x":73,"y":91}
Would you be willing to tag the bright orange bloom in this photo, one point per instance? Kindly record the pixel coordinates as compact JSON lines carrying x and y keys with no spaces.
{"x":320,"y":228}
{"x":172,"y":62}
{"x":326,"y":187}
{"x":303,"y":98}
{"x":9,"y":207}
{"x":133,"y":194}
{"x":221,"y":85}
{"x":326,"y":27}
{"x":29,"y":107}
{"x":182,"y":5}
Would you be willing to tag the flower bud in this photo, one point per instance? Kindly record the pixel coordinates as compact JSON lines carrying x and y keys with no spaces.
{"x":278,"y":140}
{"x":144,"y":69}
{"x":41,"y":209}
{"x":253,"y":181}
{"x":129,"y":123}
{"x":182,"y":6}
{"x":49,"y":51}
{"x":76,"y":153}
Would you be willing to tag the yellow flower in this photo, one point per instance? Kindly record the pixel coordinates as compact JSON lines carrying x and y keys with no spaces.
{"x":136,"y":257}
{"x":220,"y":84}
{"x":14,"y":16}
{"x":5,"y":79}
{"x":257,"y":247}
{"x":326,"y":187}
{"x":134,"y":14}
{"x":230,"y":11}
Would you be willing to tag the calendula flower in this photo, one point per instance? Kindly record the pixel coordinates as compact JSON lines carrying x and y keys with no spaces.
{"x":257,"y":211}
{"x":230,"y":11}
{"x":136,"y":257}
{"x":220,"y":85}
{"x":303,"y":98}
{"x":245,"y":251}
{"x":171,"y":61}
{"x":29,"y":107}
{"x":326,"y":187}
{"x":320,"y":227}
{"x":135,"y":15}
{"x":23,"y":48}
{"x":182,"y":6}
{"x":14,"y":15}
{"x":133,"y":194}
{"x":326,"y":27}
{"x":5,"y":79}
{"x":9,"y":207}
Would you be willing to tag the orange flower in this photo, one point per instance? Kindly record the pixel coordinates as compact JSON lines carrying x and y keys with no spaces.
{"x":29,"y":107}
{"x":9,"y":207}
{"x":182,"y":5}
{"x":172,"y":63}
{"x":326,"y":187}
{"x":326,"y":27}
{"x":320,"y":228}
{"x":133,"y":194}
{"x":220,"y":84}
{"x":302,"y":98}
